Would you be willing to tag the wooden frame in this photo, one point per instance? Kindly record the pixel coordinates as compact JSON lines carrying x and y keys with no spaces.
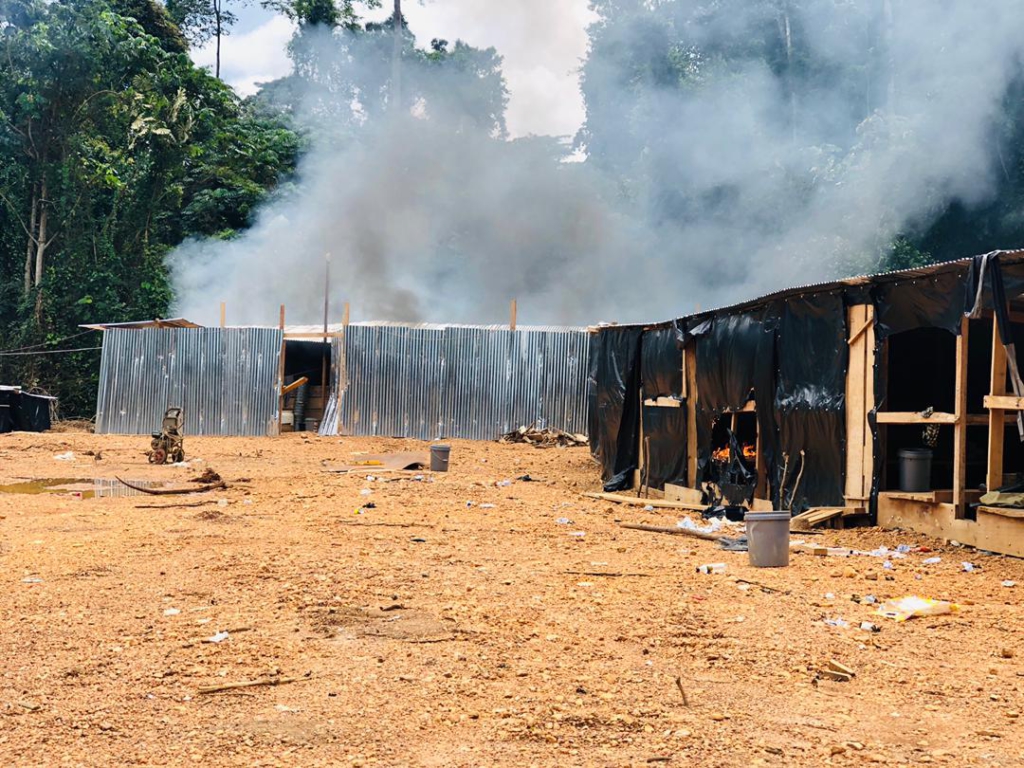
{"x":960,"y":426}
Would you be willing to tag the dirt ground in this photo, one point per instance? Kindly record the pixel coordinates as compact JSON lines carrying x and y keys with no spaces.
{"x":460,"y":621}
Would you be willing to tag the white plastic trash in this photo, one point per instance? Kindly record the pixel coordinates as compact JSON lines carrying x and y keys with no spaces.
{"x":768,"y":538}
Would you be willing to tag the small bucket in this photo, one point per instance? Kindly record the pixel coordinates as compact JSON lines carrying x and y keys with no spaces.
{"x":439,"y":457}
{"x":915,"y":470}
{"x":768,"y":539}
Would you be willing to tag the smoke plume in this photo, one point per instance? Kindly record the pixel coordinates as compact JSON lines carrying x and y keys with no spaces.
{"x":748,"y":178}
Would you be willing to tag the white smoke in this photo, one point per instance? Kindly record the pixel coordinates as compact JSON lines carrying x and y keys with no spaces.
{"x":426,"y":219}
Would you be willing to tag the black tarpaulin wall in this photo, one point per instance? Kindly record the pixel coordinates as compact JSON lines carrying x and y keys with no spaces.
{"x":614,"y":384}
{"x":664,"y":428}
{"x":810,"y":399}
{"x":665,"y":439}
{"x":661,"y":363}
{"x":20,"y":411}
{"x":32,"y":413}
{"x":735,"y":354}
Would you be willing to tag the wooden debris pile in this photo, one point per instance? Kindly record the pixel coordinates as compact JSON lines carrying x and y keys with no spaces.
{"x":543,"y":438}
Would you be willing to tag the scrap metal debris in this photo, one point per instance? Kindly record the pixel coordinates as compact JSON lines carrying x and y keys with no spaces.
{"x":543,"y":438}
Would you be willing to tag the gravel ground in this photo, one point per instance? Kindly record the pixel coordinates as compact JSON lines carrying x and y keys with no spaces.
{"x":460,"y":621}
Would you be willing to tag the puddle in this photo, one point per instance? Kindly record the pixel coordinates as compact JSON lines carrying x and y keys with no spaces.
{"x":72,"y":486}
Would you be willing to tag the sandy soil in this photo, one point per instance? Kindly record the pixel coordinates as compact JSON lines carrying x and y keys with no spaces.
{"x":433,"y":630}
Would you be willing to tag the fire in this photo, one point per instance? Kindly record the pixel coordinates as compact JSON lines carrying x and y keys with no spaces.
{"x":722,"y":454}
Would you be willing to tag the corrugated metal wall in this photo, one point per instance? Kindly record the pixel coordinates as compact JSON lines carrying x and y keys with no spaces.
{"x":224,"y":378}
{"x":428,"y":382}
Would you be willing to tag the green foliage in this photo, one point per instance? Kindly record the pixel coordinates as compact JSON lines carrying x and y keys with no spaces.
{"x":127,"y":148}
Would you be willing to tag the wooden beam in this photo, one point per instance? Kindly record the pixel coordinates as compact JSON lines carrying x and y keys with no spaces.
{"x":294,"y":385}
{"x":960,"y":428}
{"x":865,"y":324}
{"x":663,"y":402}
{"x":223,"y":314}
{"x":675,"y":492}
{"x":996,"y":416}
{"x":281,"y":319}
{"x":690,"y":354}
{"x":620,"y":498}
{"x":856,"y":406}
{"x":513,"y":311}
{"x":344,"y":317}
{"x":1004,"y":402}
{"x":906,"y":417}
{"x":748,"y":407}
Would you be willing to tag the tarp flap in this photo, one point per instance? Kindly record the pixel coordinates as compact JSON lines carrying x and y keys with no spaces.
{"x":614,"y":384}
{"x":811,"y":397}
{"x":661,"y":363}
{"x":925,"y":302}
{"x":665,"y":436}
{"x":725,"y":361}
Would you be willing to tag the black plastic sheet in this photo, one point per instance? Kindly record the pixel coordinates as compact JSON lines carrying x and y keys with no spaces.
{"x":32,"y":413}
{"x":924,"y":302}
{"x":614,"y":384}
{"x":665,"y":438}
{"x":811,"y":398}
{"x":661,"y":363}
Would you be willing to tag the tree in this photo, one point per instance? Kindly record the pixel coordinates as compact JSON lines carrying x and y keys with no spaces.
{"x":114,"y":148}
{"x":203,"y":20}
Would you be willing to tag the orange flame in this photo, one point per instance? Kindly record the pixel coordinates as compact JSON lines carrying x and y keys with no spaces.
{"x":722,"y":454}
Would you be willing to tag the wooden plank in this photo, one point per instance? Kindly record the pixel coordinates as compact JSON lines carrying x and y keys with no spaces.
{"x":995,"y":532}
{"x":925,"y":497}
{"x":690,"y":353}
{"x":908,"y":417}
{"x":864,"y":324}
{"x":960,"y":428}
{"x":294,"y":385}
{"x":318,"y":335}
{"x":1004,"y":402}
{"x":996,"y":416}
{"x":223,"y":314}
{"x":513,"y":313}
{"x":663,"y":402}
{"x":1013,"y":512}
{"x":856,"y":417}
{"x":675,"y":492}
{"x":345,"y":316}
{"x":620,"y":498}
{"x":280,"y":324}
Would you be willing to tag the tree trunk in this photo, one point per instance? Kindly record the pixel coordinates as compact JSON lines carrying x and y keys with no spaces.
{"x":41,"y":234}
{"x":30,"y":244}
{"x":217,"y":17}
{"x":396,"y":58}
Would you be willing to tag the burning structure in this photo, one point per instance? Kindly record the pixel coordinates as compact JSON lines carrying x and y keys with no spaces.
{"x":807,"y":397}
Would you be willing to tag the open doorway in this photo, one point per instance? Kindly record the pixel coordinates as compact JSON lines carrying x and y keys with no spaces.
{"x":307,"y":366}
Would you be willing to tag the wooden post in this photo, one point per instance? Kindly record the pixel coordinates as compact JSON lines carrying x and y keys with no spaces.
{"x":280,"y":375}
{"x":960,"y":428}
{"x":513,"y":309}
{"x":690,"y":354}
{"x":344,"y":317}
{"x":223,"y":314}
{"x":860,"y":400}
{"x":996,"y":417}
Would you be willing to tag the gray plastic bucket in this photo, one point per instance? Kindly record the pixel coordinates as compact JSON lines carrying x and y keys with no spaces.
{"x":439,"y":457}
{"x":768,"y":538}
{"x":915,"y":470}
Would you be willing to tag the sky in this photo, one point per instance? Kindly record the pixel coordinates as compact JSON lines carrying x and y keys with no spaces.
{"x":541,"y":66}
